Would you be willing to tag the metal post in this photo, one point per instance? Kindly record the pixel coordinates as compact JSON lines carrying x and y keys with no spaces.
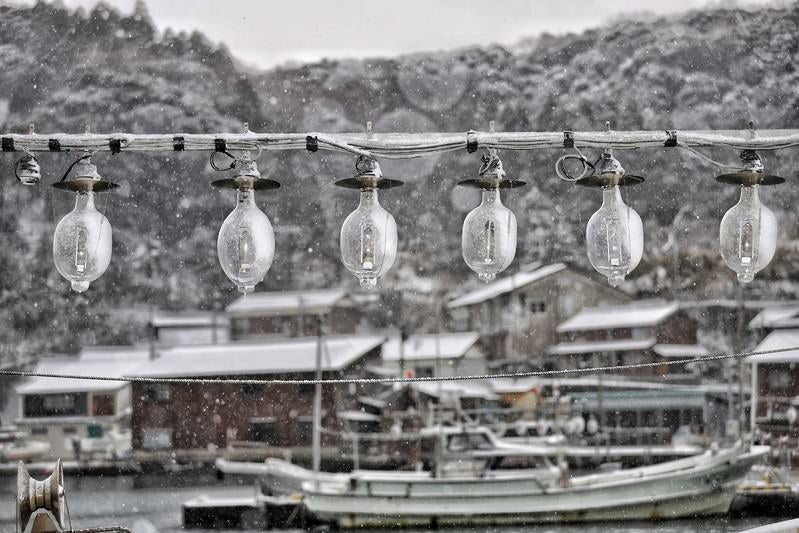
{"x":402,"y":338}
{"x":316,"y":444}
{"x":739,"y":332}
{"x":753,"y":408}
{"x":356,"y":456}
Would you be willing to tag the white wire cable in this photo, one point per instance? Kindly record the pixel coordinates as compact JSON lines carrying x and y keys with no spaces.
{"x":404,"y":145}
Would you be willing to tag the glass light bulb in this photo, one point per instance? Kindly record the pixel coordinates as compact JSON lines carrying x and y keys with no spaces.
{"x":748,"y":235}
{"x":488,"y":239}
{"x":614,"y":237}
{"x":369,"y":240}
{"x":246,"y":243}
{"x":82,"y":243}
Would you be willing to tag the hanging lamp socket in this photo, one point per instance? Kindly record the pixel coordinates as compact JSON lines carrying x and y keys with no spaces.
{"x":609,"y":172}
{"x":368,"y":175}
{"x":752,"y":172}
{"x":86,"y":178}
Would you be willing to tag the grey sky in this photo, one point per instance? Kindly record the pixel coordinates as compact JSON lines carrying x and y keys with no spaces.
{"x":267,"y":33}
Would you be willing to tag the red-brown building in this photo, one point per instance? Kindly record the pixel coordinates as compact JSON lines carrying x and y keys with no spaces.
{"x":205,"y":416}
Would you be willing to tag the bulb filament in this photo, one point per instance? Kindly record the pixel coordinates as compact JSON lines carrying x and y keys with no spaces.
{"x":81,"y":253}
{"x":368,"y":247}
{"x":491,"y":242}
{"x":614,"y":246}
{"x":746,"y":248}
{"x":246,"y":252}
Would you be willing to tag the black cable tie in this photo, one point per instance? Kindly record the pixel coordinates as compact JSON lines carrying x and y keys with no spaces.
{"x":671,"y":141}
{"x":311,"y":144}
{"x":178,"y":143}
{"x":220,"y":145}
{"x":115,"y":145}
{"x":568,"y":139}
{"x":54,"y":145}
{"x":8,"y":144}
{"x":471,"y":141}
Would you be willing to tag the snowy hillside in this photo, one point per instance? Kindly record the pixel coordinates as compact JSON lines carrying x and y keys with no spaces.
{"x":63,"y":69}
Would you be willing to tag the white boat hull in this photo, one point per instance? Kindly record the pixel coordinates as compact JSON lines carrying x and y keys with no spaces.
{"x":699,"y":487}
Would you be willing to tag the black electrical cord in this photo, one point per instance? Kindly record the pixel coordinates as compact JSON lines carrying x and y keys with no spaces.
{"x":69,"y":169}
{"x":212,"y":161}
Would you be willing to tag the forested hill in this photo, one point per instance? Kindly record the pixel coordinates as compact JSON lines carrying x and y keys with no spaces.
{"x":62,"y":69}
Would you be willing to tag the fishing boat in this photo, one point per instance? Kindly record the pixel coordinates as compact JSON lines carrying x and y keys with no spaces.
{"x":699,"y":485}
{"x":451,"y":452}
{"x":455,"y":451}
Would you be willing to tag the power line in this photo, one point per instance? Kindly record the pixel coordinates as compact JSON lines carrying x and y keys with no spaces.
{"x":389,"y":380}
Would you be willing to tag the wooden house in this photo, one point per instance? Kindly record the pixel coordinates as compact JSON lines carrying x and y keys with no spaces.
{"x":639,"y":332}
{"x":296,"y":313}
{"x":775,"y":384}
{"x":517,"y":316}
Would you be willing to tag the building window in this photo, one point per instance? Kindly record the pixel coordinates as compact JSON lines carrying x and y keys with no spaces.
{"x":157,"y":439}
{"x":39,"y":430}
{"x":157,"y":392}
{"x":69,"y":430}
{"x":71,"y":404}
{"x":779,"y":380}
{"x":538,"y":307}
{"x":103,"y":405}
{"x":262,"y":430}
{"x":423,"y":371}
{"x":251,"y":389}
{"x":304,"y":429}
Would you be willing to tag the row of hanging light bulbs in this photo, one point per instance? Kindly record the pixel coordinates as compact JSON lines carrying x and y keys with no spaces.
{"x":368,"y":240}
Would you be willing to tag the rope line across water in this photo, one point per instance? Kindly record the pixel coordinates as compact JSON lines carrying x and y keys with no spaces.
{"x":388,"y":380}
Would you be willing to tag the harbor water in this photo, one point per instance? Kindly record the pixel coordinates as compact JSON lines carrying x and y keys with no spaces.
{"x":152,"y":503}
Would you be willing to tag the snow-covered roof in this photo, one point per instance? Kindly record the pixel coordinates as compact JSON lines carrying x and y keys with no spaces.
{"x":634,"y":315}
{"x":505,"y":285}
{"x":286,"y":302}
{"x":680,"y":350}
{"x":620,"y":382}
{"x":615,"y":345}
{"x":255,"y":358}
{"x":460,"y":389}
{"x":432,"y":346}
{"x":515,"y":385}
{"x":189,"y":320}
{"x":781,"y":338}
{"x":108,"y":361}
{"x":784,"y":316}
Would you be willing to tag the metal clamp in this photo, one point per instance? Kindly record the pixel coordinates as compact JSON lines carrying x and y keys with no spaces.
{"x":471,"y":141}
{"x":568,"y":139}
{"x":671,"y":140}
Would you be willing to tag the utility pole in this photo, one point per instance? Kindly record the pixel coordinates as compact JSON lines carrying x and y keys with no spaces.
{"x":316,"y":443}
